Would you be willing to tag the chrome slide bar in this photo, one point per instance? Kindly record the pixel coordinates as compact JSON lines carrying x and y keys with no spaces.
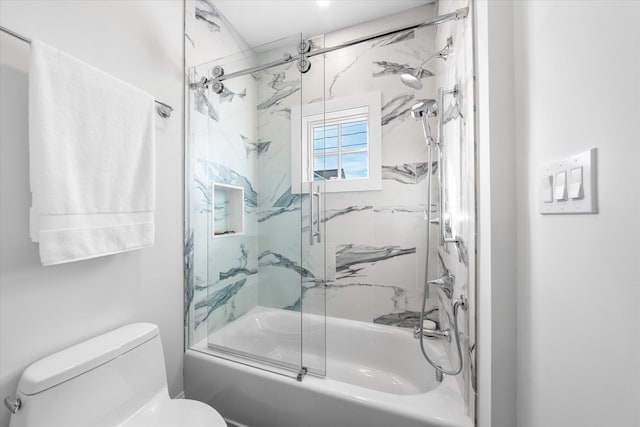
{"x":441,"y":167}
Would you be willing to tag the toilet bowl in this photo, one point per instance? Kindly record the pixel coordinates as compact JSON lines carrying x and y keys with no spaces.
{"x":117,"y":379}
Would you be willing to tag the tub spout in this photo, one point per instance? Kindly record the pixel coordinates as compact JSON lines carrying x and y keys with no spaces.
{"x":432,"y":334}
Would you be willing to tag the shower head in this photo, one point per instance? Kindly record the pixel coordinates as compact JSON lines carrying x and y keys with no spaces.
{"x":414,"y":81}
{"x":423,"y":107}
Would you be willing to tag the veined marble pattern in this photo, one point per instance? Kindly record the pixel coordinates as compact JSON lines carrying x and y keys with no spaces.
{"x":349,"y":258}
{"x":220,"y":173}
{"x":458,"y":133}
{"x":259,"y":147}
{"x":372,"y":266}
{"x":269,"y":258}
{"x":397,"y":107}
{"x":287,"y":202}
{"x":334,"y":213}
{"x":227,"y":95}
{"x":281,"y":89}
{"x":203,"y":105}
{"x":339,"y":74}
{"x":208,"y":14}
{"x":219,"y":299}
{"x":408,"y":173}
{"x":208,"y":17}
{"x":392,"y":68}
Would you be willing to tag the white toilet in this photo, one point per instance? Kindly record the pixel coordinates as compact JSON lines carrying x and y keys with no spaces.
{"x":115,"y":379}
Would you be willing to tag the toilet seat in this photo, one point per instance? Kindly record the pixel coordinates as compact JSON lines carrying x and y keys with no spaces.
{"x":165,"y":412}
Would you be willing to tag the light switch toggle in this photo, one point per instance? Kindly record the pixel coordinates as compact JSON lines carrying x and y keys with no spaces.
{"x":547,"y":189}
{"x":575,"y":183}
{"x":560,"y":192}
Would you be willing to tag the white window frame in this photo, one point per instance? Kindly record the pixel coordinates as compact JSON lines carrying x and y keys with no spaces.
{"x":304,"y":118}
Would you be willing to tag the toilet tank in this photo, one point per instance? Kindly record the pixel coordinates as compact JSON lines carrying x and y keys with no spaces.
{"x":100,"y":382}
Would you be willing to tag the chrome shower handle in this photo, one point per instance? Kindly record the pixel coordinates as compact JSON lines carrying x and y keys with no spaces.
{"x":317,"y":194}
{"x":312,"y":195}
{"x":441,"y":164}
{"x":311,"y":233}
{"x":444,"y":283}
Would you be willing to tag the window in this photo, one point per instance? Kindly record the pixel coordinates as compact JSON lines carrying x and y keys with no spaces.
{"x":339,"y":143}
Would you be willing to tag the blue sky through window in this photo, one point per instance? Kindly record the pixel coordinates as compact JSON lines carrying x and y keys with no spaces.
{"x":340,"y":151}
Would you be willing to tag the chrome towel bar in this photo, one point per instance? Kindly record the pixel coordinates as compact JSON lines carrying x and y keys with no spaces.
{"x":164,"y":110}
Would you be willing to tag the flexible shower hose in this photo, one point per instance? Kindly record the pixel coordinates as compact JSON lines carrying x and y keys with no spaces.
{"x":456,"y":303}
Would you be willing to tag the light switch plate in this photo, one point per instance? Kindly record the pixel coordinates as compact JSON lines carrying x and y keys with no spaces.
{"x":582,"y":200}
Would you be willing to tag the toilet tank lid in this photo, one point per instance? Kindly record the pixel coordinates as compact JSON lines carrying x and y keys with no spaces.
{"x":80,"y":358}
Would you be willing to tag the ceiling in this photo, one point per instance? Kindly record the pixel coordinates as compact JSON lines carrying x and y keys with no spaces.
{"x":262,"y":21}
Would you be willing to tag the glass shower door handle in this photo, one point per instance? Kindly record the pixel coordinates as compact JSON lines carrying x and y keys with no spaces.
{"x":318,"y":210}
{"x":314,"y":234}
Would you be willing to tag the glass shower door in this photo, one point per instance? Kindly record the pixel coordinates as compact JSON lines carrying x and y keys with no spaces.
{"x":250,"y":242}
{"x":314,"y":239}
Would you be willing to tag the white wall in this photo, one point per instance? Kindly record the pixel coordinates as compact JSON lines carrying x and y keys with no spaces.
{"x":577,"y":86}
{"x":496,"y":289}
{"x":43,"y":309}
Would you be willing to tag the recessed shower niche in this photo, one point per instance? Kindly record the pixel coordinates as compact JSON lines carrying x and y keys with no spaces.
{"x":227,"y":216}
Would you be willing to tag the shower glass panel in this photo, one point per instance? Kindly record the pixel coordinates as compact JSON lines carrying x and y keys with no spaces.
{"x":314,"y":237}
{"x":256,"y":277}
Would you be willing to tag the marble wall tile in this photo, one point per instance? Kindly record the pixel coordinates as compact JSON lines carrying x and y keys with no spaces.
{"x":460,"y":171}
{"x":350,"y":301}
{"x":349,"y":224}
{"x":400,"y":225}
{"x":220,"y":282}
{"x":373,"y":264}
{"x":400,"y":307}
{"x":376,"y":265}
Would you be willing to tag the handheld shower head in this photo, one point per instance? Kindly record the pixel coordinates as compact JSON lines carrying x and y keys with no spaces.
{"x":424,"y":107}
{"x":414,"y":81}
{"x":422,"y":110}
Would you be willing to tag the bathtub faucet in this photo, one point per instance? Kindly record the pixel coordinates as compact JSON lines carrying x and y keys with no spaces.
{"x":432,"y":334}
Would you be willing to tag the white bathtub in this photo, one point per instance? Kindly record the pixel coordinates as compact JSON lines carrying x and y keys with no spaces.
{"x":375,"y":376}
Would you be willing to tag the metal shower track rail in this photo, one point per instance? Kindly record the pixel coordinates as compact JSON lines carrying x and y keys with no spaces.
{"x":457,"y":15}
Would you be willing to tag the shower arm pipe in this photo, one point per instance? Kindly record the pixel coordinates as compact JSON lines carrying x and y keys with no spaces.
{"x":441,"y":162}
{"x":164,"y":110}
{"x":442,"y":53}
{"x":456,"y":15}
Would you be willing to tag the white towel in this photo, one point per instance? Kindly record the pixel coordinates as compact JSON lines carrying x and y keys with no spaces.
{"x":92,"y":160}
